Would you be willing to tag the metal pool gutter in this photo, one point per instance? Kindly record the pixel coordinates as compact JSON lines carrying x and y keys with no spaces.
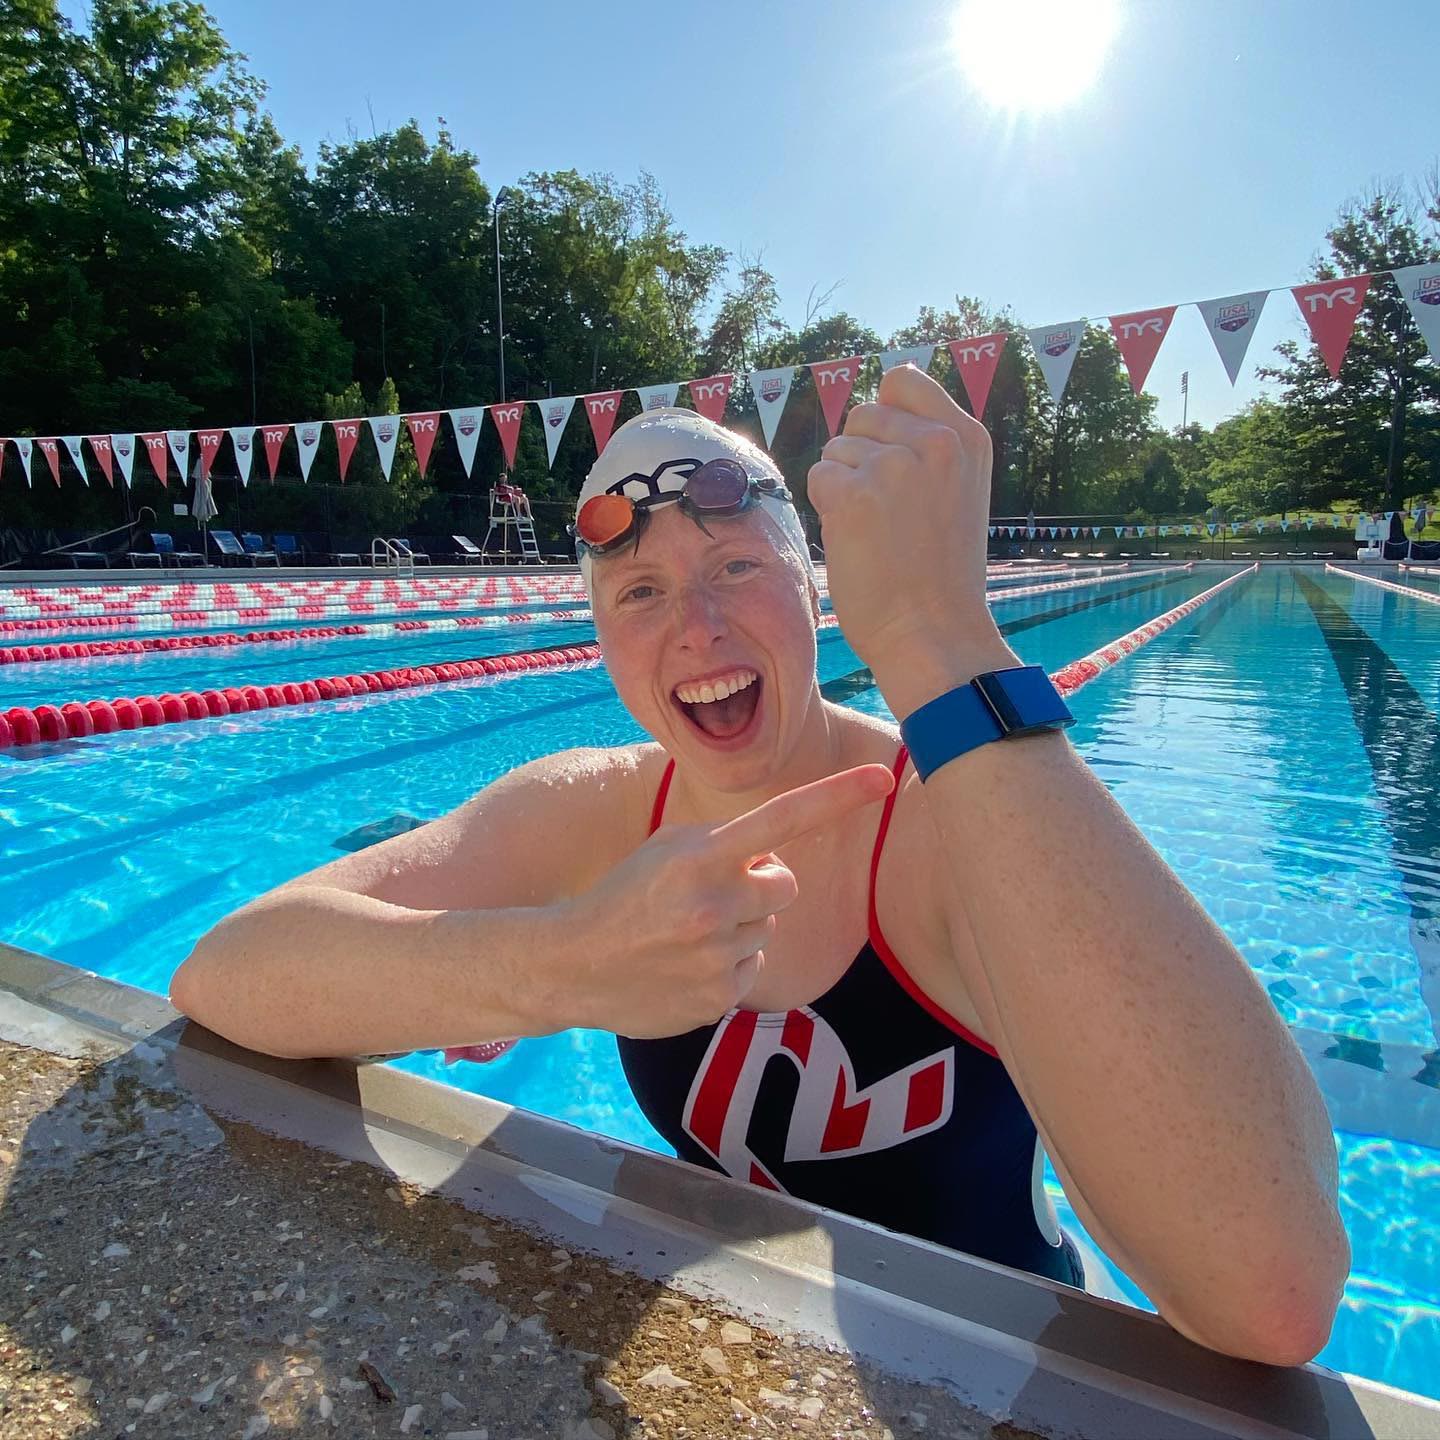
{"x":1039,"y":1356}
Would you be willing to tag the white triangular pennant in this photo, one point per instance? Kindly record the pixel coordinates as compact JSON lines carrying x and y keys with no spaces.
{"x":386,"y":430}
{"x":123,"y":448}
{"x":554,"y":417}
{"x":467,"y":425}
{"x":919,"y":356}
{"x":307,"y":436}
{"x":26,"y":447}
{"x":242,"y":440}
{"x":72,"y":444}
{"x":1056,"y":347}
{"x":179,"y":441}
{"x":1231,"y":323}
{"x":771,"y":389}
{"x":657,"y":397}
{"x":1420,"y":285}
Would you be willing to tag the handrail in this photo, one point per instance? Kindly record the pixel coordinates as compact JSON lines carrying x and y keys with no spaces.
{"x":392,"y":552}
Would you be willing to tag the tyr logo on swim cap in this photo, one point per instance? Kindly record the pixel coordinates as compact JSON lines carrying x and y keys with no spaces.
{"x":654,"y":455}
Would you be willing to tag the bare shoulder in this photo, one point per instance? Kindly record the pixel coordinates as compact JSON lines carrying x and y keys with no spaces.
{"x":540,"y":833}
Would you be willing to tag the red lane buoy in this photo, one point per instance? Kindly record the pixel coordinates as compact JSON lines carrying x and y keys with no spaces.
{"x":291,"y":692}
{"x":7,"y":735}
{"x":127,"y":714}
{"x":235,"y":700}
{"x":172,"y":707}
{"x":255,"y":698}
{"x":215,"y":703}
{"x":51,"y":722}
{"x":103,"y":720}
{"x":309,"y":691}
{"x":195,"y":707}
{"x":325,"y":689}
{"x":23,"y":726}
{"x":152,"y":712}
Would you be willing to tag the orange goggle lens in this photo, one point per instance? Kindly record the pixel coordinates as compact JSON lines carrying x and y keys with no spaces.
{"x":604,"y":519}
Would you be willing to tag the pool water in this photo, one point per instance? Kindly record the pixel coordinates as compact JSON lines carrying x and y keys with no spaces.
{"x":1279,"y":748}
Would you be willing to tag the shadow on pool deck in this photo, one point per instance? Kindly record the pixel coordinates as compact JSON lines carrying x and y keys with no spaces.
{"x":175,"y":1269}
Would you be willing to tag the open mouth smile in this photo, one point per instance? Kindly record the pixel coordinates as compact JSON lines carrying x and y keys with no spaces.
{"x":723,"y":707}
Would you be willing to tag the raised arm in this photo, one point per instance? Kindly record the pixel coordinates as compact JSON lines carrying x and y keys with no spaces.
{"x":443,"y":936}
{"x":1183,"y":1119}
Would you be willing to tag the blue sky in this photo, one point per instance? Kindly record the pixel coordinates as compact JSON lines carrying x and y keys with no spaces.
{"x":842,"y":143}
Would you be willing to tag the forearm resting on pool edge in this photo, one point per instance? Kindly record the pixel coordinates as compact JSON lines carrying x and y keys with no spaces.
{"x":313,"y":971}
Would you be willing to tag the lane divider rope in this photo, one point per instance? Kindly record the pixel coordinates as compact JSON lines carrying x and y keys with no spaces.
{"x":1070,"y":678}
{"x":1409,"y":590}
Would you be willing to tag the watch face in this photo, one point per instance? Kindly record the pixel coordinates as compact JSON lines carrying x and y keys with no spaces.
{"x":1024,"y":700}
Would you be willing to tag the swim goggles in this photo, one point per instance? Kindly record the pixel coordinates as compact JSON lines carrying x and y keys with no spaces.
{"x":715,"y":490}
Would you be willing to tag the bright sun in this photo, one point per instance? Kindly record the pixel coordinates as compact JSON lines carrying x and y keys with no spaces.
{"x":1033,"y":54}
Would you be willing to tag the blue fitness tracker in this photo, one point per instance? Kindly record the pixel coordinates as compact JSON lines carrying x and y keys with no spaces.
{"x":999,"y":705}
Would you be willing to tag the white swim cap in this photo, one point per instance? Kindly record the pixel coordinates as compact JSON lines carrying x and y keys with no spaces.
{"x":657,"y":451}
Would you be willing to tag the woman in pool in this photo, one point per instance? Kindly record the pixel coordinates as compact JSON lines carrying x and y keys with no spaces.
{"x":832,"y":976}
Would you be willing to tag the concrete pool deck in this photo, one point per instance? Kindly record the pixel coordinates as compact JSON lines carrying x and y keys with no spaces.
{"x":200,"y":1241}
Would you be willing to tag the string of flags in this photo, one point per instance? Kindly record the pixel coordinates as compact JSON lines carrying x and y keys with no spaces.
{"x":1330,"y":309}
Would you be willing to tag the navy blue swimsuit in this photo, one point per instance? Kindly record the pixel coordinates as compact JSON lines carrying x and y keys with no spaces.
{"x":871,"y":1100}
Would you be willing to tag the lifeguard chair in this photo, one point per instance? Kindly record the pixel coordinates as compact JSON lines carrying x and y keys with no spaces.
{"x":510,"y":509}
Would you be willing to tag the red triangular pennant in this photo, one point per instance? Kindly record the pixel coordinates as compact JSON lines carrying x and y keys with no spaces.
{"x":155,"y":448}
{"x":50,"y":449}
{"x":209,"y":449}
{"x":347,"y":435}
{"x":274,"y":438}
{"x":104,"y":455}
{"x":1138,"y":337}
{"x":507,"y":420}
{"x":1330,"y":308}
{"x":709,"y":395}
{"x":834,"y":380}
{"x":424,"y":427}
{"x":976,"y":359}
{"x":602,"y":408}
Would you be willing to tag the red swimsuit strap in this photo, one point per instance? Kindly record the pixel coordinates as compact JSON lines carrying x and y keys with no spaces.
{"x":657,"y":810}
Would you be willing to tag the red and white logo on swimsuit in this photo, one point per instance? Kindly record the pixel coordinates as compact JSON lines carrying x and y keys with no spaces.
{"x":831,"y":1118}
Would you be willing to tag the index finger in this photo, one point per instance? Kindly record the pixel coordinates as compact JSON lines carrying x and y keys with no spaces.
{"x":798,"y":811}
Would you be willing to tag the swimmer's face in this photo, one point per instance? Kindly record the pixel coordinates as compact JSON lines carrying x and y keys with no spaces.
{"x":731,"y":610}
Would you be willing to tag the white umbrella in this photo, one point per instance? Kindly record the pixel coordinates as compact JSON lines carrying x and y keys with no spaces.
{"x":203,"y":507}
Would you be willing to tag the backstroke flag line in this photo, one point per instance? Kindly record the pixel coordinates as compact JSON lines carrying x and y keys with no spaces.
{"x":1330,"y":308}
{"x":466,"y":425}
{"x":124,"y":449}
{"x":1138,"y":337}
{"x":385,"y":429}
{"x":307,"y":436}
{"x":1231,"y":322}
{"x":658,"y":397}
{"x":834,"y":380}
{"x":242,"y":438}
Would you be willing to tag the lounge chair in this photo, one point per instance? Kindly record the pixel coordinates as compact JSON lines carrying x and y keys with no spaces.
{"x":469,"y":550}
{"x":232,"y":552}
{"x":288,"y":549}
{"x":255,"y":548}
{"x":417,"y":555}
{"x":165,"y":548}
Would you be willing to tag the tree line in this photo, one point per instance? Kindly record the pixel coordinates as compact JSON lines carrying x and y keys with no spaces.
{"x":168,"y":260}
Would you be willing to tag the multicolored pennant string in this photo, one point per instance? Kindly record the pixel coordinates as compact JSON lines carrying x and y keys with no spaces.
{"x":424,"y":426}
{"x":307,"y":436}
{"x":1330,"y":308}
{"x":386,"y":432}
{"x":1231,"y":322}
{"x":834,"y":381}
{"x":555,"y":412}
{"x":274,"y":439}
{"x":709,"y":395}
{"x":507,"y":420}
{"x":124,"y":448}
{"x":209,"y":447}
{"x":1420,"y":287}
{"x":1138,"y":336}
{"x":73,"y":443}
{"x":1056,"y":347}
{"x":976,"y":359}
{"x":602,"y":408}
{"x":26,"y":447}
{"x":347,"y":437}
{"x":242,"y":441}
{"x":466,"y":425}
{"x":919,"y":356}
{"x":159,"y":456}
{"x":771,"y":389}
{"x":658,"y":397}
{"x":104,"y":456}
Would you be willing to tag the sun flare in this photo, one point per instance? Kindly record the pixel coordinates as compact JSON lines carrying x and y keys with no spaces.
{"x":1033,"y":54}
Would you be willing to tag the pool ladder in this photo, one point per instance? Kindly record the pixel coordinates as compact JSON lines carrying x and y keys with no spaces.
{"x":392,"y":552}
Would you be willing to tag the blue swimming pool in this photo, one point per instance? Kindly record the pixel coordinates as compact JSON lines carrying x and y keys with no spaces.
{"x":1279,"y":747}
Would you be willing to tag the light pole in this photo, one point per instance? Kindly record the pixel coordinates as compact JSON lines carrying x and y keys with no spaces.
{"x":499,"y":297}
